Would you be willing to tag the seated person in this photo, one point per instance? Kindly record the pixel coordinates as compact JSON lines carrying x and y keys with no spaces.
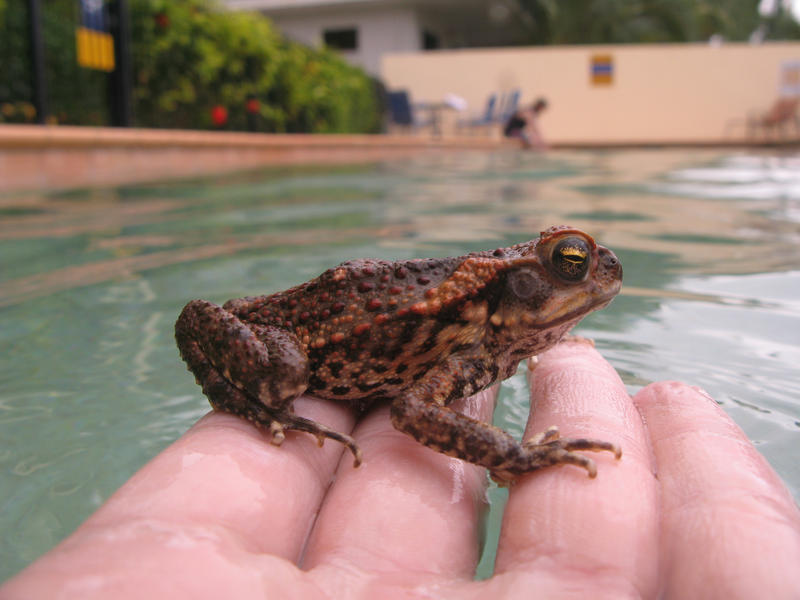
{"x":522,"y":125}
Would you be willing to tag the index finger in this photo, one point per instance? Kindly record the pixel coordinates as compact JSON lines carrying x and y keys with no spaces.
{"x":563,"y":528}
{"x":210,"y":515}
{"x":224,"y":472}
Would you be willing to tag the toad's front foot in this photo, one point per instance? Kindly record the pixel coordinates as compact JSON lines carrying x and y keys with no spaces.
{"x":546,"y":449}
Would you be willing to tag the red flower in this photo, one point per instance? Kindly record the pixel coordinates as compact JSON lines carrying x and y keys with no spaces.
{"x":219,"y":115}
{"x":162,"y":20}
{"x":252,"y":105}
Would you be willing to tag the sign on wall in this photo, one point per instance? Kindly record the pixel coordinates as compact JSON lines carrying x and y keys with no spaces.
{"x":602,"y":69}
{"x":790,"y":78}
{"x":95,"y":44}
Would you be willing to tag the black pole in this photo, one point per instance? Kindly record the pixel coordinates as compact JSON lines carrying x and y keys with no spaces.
{"x":37,"y":62}
{"x":120,"y":84}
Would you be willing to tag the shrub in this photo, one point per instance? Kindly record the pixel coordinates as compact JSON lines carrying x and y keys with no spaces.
{"x":189,"y":57}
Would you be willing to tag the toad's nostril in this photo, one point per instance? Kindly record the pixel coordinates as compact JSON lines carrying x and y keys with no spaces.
{"x":609,"y":262}
{"x":609,"y":259}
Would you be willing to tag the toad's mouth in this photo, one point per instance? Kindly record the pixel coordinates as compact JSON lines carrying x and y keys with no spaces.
{"x":568,"y":313}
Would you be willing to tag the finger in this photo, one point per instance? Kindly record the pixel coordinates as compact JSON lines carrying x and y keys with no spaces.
{"x":225,"y":472}
{"x":728,"y":522}
{"x":407,"y":511}
{"x":562,"y":528}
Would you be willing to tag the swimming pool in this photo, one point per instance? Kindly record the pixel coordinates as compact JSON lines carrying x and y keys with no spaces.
{"x":91,"y":283}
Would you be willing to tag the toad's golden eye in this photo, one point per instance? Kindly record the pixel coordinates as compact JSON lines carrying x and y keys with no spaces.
{"x":571,"y":258}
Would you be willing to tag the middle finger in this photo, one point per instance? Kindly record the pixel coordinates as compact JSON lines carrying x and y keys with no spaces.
{"x":407,"y":510}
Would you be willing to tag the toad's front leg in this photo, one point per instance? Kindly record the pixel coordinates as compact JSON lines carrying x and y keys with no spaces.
{"x":251,"y":371}
{"x":422,"y":414}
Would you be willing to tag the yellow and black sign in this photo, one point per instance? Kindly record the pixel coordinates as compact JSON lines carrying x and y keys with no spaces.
{"x":95,"y":44}
{"x":602,"y":69}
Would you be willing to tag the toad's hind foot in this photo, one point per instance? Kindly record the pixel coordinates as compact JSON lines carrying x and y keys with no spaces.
{"x":277,"y":430}
{"x":293,"y":422}
{"x":547,"y":449}
{"x":278,"y":423}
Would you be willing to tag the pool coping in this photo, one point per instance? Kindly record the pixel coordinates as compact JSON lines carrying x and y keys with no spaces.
{"x":37,"y":136}
{"x":53,"y":157}
{"x":34,"y":157}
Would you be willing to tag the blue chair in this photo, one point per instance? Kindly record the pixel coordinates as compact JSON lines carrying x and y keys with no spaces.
{"x":510,"y":105}
{"x":488,"y":113}
{"x":400,"y":112}
{"x":486,"y":118}
{"x":405,"y":114}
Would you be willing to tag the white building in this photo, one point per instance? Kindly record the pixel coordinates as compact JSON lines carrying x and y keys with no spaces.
{"x":364,"y":30}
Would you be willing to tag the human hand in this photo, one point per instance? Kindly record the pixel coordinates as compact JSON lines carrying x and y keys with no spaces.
{"x":691,"y":510}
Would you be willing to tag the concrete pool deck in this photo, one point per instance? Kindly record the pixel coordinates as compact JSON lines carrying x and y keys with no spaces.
{"x":34,"y":157}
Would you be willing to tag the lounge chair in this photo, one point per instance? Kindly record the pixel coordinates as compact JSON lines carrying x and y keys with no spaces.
{"x":782,"y":112}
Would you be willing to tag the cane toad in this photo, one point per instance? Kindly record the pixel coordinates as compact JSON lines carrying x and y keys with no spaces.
{"x":416,"y":333}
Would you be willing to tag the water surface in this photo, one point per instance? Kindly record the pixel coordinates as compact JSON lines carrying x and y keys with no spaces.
{"x":91,"y":282}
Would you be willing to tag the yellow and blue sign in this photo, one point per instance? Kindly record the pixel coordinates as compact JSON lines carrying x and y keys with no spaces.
{"x":790,"y":79}
{"x":602,"y":69}
{"x":95,"y":44}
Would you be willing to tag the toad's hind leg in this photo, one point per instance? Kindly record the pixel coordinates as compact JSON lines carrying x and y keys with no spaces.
{"x":252,"y":376}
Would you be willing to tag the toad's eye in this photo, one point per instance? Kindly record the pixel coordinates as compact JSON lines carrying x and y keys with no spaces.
{"x":571,"y":258}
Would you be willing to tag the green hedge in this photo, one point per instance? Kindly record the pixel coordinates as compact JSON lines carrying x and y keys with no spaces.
{"x":189,"y":57}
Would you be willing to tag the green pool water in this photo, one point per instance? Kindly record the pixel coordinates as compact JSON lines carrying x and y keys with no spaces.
{"x":91,"y":281}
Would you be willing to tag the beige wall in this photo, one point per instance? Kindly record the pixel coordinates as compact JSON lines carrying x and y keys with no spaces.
{"x":676,"y":93}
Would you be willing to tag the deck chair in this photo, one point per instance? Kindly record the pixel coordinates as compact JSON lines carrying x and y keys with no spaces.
{"x":401,"y":111}
{"x":782,"y":112}
{"x":509,"y":107}
{"x":487,"y":117}
{"x":400,"y":108}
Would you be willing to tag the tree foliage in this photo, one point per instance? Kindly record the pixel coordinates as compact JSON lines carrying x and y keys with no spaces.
{"x":643,"y":21}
